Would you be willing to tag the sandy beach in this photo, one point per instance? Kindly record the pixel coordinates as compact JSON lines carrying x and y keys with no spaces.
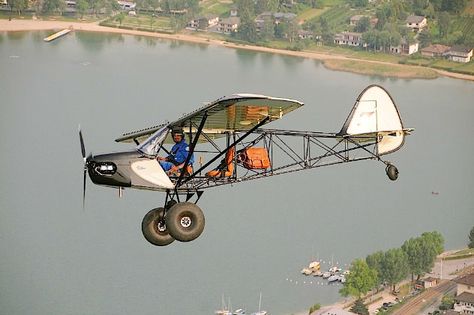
{"x":33,"y":25}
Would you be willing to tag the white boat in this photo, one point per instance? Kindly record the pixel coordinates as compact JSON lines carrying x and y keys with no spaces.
{"x":335,"y":269}
{"x":317,"y":273}
{"x":306,"y":271}
{"x":239,"y":312}
{"x":260,"y":312}
{"x":326,"y":275}
{"x":225,"y":308}
{"x":333,"y":278}
{"x":315,"y":265}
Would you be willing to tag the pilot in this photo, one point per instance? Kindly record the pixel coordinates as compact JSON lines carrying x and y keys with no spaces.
{"x":178,"y":154}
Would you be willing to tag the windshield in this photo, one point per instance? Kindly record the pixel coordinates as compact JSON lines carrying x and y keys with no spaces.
{"x":152,"y":145}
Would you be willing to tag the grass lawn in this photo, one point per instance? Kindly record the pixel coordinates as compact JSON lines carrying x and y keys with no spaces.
{"x":309,"y":14}
{"x":455,"y":66}
{"x":217,"y":7}
{"x":143,"y":22}
{"x":381,"y":69}
{"x":464,"y":253}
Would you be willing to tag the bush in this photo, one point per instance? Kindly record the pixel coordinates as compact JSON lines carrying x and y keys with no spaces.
{"x":315,"y":307}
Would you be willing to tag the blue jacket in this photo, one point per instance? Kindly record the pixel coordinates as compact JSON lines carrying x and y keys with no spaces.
{"x":179,"y":152}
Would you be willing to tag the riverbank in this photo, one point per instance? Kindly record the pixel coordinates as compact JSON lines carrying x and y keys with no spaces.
{"x":331,"y":61}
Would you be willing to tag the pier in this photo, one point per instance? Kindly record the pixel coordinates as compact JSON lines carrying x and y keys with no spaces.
{"x":57,"y":35}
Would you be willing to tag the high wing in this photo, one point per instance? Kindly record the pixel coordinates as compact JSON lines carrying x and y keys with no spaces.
{"x":239,"y":112}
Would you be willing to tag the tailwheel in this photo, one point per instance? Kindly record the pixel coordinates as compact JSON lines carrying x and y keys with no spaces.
{"x":392,"y":171}
{"x":185,"y":221}
{"x":154,"y":228}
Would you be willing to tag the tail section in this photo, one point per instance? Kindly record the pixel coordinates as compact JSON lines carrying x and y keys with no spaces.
{"x":375,"y":115}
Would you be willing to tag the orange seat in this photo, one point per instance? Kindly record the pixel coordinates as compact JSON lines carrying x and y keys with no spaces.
{"x":176,"y":170}
{"x":226,"y":168}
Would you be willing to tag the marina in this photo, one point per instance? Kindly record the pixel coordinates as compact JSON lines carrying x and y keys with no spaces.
{"x":334,"y":273}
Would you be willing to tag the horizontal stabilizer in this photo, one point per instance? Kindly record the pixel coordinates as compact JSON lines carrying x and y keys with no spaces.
{"x":375,"y":115}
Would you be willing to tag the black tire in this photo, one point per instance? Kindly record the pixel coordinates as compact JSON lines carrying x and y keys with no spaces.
{"x":154,"y":228}
{"x":392,"y":172}
{"x":185,"y":221}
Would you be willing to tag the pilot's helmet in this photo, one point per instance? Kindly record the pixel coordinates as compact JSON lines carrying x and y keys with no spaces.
{"x":177,"y":131}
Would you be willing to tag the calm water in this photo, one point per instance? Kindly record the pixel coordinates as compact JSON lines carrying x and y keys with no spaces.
{"x":58,"y":259}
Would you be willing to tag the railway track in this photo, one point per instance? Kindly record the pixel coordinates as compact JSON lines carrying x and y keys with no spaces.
{"x":426,"y":298}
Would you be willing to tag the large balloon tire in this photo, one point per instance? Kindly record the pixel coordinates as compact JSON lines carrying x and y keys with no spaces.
{"x":185,"y":221}
{"x":154,"y":228}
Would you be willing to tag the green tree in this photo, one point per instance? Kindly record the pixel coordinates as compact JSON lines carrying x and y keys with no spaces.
{"x":363,"y":24}
{"x":394,"y":266}
{"x":18,"y":6}
{"x":454,"y":6}
{"x":267,"y":31}
{"x":120,"y":17}
{"x":82,"y":7}
{"x":374,"y":261}
{"x":435,"y":241}
{"x":447,"y":303}
{"x":247,"y":29}
{"x":360,"y":280}
{"x":443,"y":24}
{"x":425,"y":38}
{"x":359,"y":308}
{"x":471,"y":238}
{"x":422,"y":251}
{"x":359,"y":3}
{"x":50,"y":6}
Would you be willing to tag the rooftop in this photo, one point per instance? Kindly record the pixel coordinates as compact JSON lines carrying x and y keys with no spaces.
{"x":467,"y":279}
{"x":465,"y":297}
{"x":415,"y":19}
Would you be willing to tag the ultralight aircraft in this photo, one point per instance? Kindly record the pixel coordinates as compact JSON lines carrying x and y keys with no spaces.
{"x":231,"y":147}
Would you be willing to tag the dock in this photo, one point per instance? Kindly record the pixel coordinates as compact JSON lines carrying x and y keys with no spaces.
{"x":57,"y":35}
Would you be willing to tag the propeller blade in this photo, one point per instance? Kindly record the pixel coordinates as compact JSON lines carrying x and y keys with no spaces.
{"x":83,"y":147}
{"x":84,"y":189}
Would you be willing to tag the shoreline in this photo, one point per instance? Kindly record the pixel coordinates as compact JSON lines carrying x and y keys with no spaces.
{"x":329,"y":60}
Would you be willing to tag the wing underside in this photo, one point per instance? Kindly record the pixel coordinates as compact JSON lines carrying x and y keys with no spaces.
{"x":239,"y":112}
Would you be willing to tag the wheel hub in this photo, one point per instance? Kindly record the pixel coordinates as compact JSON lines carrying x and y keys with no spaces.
{"x":186,"y":222}
{"x":161,"y":226}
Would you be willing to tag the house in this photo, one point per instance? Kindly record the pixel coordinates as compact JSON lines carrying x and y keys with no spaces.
{"x":356,"y":18}
{"x":464,"y":303}
{"x":281,"y":17}
{"x":435,"y":50}
{"x":234,"y":11}
{"x":465,"y":284}
{"x":405,"y":48}
{"x":348,"y":38}
{"x":430,"y":282}
{"x":203,"y":22}
{"x":459,"y":54}
{"x":464,"y":300}
{"x":303,"y":34}
{"x":127,"y":5}
{"x":229,"y":25}
{"x":416,"y":22}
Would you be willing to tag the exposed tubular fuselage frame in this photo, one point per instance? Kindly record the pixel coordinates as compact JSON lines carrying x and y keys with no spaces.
{"x":316,"y":149}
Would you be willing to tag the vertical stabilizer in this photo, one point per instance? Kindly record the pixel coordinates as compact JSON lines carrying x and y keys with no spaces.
{"x":375,"y":115}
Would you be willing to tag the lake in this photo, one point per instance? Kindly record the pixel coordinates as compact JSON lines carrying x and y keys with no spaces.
{"x":59,"y":258}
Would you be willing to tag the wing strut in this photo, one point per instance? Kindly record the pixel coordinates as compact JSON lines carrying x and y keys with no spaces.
{"x":264,"y":121}
{"x":191,"y":150}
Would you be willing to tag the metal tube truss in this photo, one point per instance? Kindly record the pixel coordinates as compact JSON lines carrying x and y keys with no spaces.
{"x":293,"y":151}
